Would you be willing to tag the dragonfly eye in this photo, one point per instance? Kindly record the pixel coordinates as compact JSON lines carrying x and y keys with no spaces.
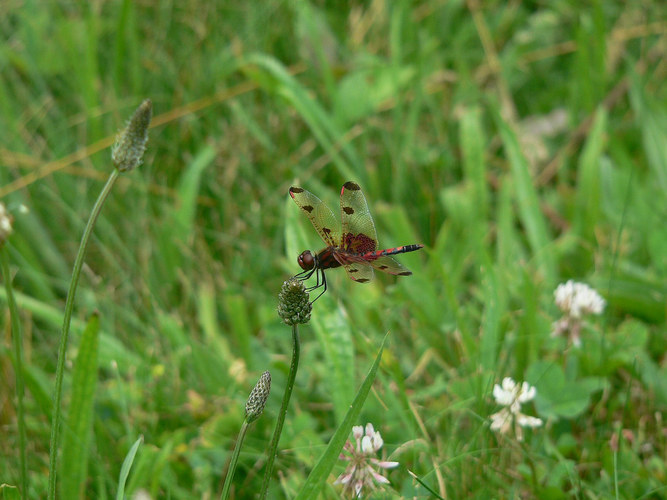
{"x":306,"y":260}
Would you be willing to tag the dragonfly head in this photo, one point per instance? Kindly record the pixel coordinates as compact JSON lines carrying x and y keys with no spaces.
{"x":306,"y":260}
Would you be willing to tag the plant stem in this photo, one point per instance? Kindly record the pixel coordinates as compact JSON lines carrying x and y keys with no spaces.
{"x":62,"y":348}
{"x":234,"y":460}
{"x":273,"y":447}
{"x":17,"y":340}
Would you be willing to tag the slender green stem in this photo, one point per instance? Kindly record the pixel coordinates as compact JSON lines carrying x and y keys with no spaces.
{"x":273,"y":447}
{"x":62,"y":348}
{"x":235,"y":459}
{"x":17,"y":340}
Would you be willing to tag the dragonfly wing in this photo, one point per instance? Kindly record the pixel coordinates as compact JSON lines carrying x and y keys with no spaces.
{"x":358,"y":234}
{"x":321,"y":216}
{"x":357,"y":268}
{"x":360,"y":272}
{"x":390,"y":265}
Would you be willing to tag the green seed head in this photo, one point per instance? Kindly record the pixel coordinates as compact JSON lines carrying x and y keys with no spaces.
{"x":294,"y":302}
{"x":258,"y":396}
{"x":128,"y":151}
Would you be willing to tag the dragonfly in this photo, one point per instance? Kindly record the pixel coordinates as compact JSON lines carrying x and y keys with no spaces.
{"x":353,"y":244}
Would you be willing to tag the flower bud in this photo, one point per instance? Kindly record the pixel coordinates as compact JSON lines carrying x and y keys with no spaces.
{"x":258,"y":396}
{"x":294,"y":304}
{"x":128,"y":151}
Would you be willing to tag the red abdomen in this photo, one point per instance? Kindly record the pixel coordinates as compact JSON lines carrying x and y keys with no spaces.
{"x":391,"y":251}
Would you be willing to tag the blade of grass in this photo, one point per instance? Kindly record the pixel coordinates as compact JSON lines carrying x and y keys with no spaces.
{"x":125,"y":469}
{"x":212,"y":335}
{"x":471,"y":136}
{"x":110,"y":347}
{"x":334,"y":335}
{"x":124,"y":52}
{"x":236,"y":309}
{"x":404,"y":132}
{"x":176,"y":232}
{"x":314,"y":31}
{"x":652,"y":120}
{"x":9,"y":492}
{"x":527,"y":198}
{"x":590,"y":59}
{"x":325,"y":464}
{"x":76,"y":439}
{"x":34,"y":250}
{"x":473,"y":147}
{"x":525,"y":347}
{"x":428,"y":488}
{"x":588,"y":182}
{"x":510,"y":249}
{"x":320,"y":122}
{"x":494,"y":304}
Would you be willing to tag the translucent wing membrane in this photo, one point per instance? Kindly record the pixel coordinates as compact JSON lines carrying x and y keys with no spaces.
{"x":360,"y":272}
{"x":321,"y":216}
{"x":358,"y":230}
{"x":356,"y":267}
{"x":391,"y":266}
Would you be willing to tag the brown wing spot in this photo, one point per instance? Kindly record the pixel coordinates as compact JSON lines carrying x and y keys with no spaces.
{"x":353,"y":186}
{"x":308,"y":208}
{"x":363,"y":280}
{"x":359,"y":243}
{"x":348,"y":210}
{"x":405,"y":273}
{"x":295,"y":190}
{"x":326,"y":230}
{"x":352,"y":270}
{"x":382,"y":267}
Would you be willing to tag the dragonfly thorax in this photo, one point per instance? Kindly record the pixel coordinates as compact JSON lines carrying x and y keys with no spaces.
{"x":306,"y":260}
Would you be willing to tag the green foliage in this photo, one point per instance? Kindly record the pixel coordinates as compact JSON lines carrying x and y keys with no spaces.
{"x":77,"y":430}
{"x":322,"y":469}
{"x":562,"y":394}
{"x":9,"y":492}
{"x":523,"y":145}
{"x":125,"y":468}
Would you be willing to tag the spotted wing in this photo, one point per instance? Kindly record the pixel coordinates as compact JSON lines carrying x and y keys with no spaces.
{"x":359,"y":272}
{"x":321,"y":216}
{"x":390,"y":265}
{"x":358,"y":234}
{"x":357,"y":268}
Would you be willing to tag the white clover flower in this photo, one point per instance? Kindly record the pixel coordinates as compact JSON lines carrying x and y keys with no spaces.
{"x":575,"y":300}
{"x":511,"y":395}
{"x":360,"y":472}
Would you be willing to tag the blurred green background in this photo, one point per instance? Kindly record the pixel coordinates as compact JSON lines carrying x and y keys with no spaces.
{"x":523,"y":143}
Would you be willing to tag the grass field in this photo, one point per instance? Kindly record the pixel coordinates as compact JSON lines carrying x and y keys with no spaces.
{"x":524,"y":144}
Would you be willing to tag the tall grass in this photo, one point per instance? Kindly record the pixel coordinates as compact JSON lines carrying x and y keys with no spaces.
{"x":522,"y":145}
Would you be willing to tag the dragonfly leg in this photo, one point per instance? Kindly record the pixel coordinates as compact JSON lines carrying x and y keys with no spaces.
{"x":317,"y":282}
{"x":321,"y":280}
{"x":304,"y":275}
{"x":318,"y":285}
